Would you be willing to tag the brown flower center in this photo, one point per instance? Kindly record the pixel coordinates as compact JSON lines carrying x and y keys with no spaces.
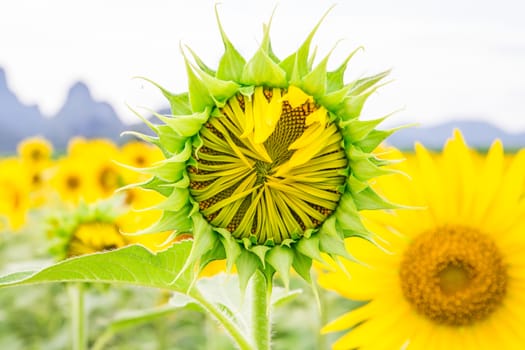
{"x":454,"y":275}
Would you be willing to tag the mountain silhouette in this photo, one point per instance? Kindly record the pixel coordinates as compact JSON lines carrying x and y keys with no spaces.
{"x":82,"y":115}
{"x":477,"y":134}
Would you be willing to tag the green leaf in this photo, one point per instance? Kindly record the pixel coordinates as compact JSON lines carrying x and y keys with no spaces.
{"x":134,"y":265}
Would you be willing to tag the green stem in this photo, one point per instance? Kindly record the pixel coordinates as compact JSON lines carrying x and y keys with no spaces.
{"x":261,"y":326}
{"x":228,"y":324}
{"x":78,"y":316}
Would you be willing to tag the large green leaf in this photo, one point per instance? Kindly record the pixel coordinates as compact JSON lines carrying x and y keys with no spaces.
{"x":129,"y":265}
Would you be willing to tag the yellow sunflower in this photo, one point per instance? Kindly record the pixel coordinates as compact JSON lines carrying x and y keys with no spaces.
{"x":454,"y":276}
{"x":86,"y":228}
{"x":35,"y":150}
{"x":138,"y":154}
{"x":137,"y":219}
{"x":14,"y":192}
{"x":70,"y":179}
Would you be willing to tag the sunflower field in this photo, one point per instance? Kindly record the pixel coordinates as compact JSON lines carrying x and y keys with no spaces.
{"x":262,"y":213}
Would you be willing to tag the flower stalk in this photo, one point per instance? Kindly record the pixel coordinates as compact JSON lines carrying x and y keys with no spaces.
{"x":261,"y":321}
{"x":78,"y":316}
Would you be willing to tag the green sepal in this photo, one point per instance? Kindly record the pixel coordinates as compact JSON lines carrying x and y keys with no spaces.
{"x":356,"y":185}
{"x":352,"y":105}
{"x":302,"y":264}
{"x":181,"y":156}
{"x":297,"y":65}
{"x":199,"y":96}
{"x":157,"y":185}
{"x":347,"y":215}
{"x":220,"y":90}
{"x":148,"y":138}
{"x":260,"y":251}
{"x":373,"y":139}
{"x":186,"y":125}
{"x":364,"y":169}
{"x":169,"y":221}
{"x":314,"y":83}
{"x":217,"y":253}
{"x":177,"y":200}
{"x":247,"y":263}
{"x":355,"y":130}
{"x":333,"y":245}
{"x":231,"y":247}
{"x":166,"y":171}
{"x":309,"y":247}
{"x":231,"y":63}
{"x":368,"y":199}
{"x":333,"y":100}
{"x":146,"y":121}
{"x":261,"y":70}
{"x":361,"y":85}
{"x":169,"y":142}
{"x":179,"y":103}
{"x":204,"y":240}
{"x":335,"y":78}
{"x":281,"y":259}
{"x":202,"y":66}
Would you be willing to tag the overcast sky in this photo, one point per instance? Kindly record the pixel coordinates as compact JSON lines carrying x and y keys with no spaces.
{"x":450,"y":58}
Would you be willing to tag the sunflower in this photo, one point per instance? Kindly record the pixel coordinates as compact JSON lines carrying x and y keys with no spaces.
{"x":70,"y":179}
{"x":86,"y":228}
{"x":453,"y":277}
{"x":138,"y":154}
{"x":14,"y":192}
{"x":136,"y":219}
{"x":266,"y":162}
{"x":36,"y":151}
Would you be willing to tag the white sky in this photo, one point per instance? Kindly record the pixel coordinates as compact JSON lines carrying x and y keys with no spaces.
{"x":450,"y":58}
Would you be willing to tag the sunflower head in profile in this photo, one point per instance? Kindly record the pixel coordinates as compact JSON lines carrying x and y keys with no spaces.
{"x":266,"y":162}
{"x":454,"y":278}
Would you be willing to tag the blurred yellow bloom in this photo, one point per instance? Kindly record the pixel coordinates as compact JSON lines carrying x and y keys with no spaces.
{"x":70,"y":179}
{"x":36,"y":151}
{"x":138,"y":154}
{"x":137,"y":219}
{"x":91,"y":237}
{"x":15,"y":187}
{"x":453,"y":277}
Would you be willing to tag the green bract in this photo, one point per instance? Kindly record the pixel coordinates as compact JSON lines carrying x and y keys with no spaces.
{"x":267,"y":163}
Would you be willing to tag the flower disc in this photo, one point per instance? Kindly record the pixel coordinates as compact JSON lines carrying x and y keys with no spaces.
{"x":245,"y":186}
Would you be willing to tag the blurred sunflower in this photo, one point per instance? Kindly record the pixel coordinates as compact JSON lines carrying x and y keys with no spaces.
{"x":71,"y":180}
{"x":137,"y":219}
{"x":455,"y":276}
{"x":36,"y":151}
{"x":86,"y":228}
{"x":99,"y":156}
{"x":138,"y":154}
{"x":266,"y":162}
{"x":15,"y":187}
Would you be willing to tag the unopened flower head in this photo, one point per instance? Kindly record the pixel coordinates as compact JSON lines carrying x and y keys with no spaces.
{"x":266,"y":162}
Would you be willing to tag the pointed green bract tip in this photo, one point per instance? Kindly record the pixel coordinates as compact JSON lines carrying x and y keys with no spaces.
{"x":267,"y":162}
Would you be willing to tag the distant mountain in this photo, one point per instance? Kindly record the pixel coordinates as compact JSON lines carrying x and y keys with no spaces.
{"x":81,"y":115}
{"x":477,"y":134}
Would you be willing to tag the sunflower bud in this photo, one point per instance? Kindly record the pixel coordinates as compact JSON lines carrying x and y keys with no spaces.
{"x":266,"y":162}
